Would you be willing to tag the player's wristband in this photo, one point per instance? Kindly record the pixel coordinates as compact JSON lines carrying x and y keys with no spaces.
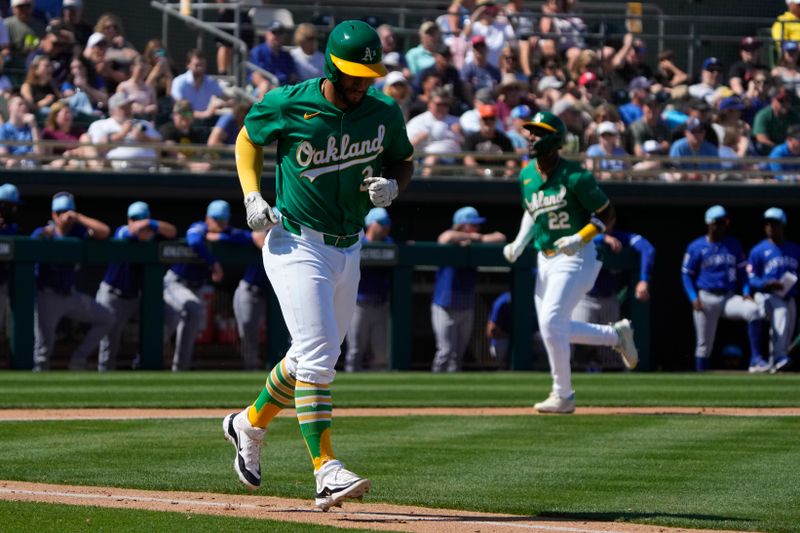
{"x":589,"y":232}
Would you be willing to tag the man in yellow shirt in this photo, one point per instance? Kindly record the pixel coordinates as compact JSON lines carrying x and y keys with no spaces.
{"x":787,"y":26}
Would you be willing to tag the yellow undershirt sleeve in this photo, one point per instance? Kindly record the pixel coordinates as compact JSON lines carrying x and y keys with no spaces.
{"x":249,"y":162}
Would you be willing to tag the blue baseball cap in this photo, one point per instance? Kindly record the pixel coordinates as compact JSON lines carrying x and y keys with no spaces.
{"x":219,"y":210}
{"x":379,"y":215}
{"x":63,"y":201}
{"x":138,"y":211}
{"x":712,"y":63}
{"x":789,"y":46}
{"x":467,"y":215}
{"x":775,"y":213}
{"x":731,"y":102}
{"x":715,"y":212}
{"x":9,"y":193}
{"x":521,"y":111}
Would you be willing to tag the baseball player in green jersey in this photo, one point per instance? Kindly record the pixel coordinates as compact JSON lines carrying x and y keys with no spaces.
{"x":564,"y":211}
{"x":342,"y":148}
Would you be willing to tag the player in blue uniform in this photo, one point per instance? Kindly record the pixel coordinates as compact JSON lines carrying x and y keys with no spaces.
{"x":119,"y":292}
{"x":9,"y":200}
{"x":772,"y":268}
{"x":498,"y":329}
{"x":250,"y":308}
{"x":56,"y":296}
{"x":713,"y":268}
{"x":184,"y":313}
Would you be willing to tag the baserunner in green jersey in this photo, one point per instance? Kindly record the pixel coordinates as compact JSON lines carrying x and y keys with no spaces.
{"x":342,"y":148}
{"x":564,"y":211}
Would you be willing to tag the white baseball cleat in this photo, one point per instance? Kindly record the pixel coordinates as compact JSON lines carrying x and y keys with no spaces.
{"x":247,"y":441}
{"x":625,"y":345}
{"x":556,"y":404}
{"x":336,"y":484}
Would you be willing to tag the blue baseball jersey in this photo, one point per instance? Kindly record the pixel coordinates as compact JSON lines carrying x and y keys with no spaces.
{"x":59,"y":277}
{"x":714,"y":266}
{"x":127,"y":277}
{"x":769,"y":261}
{"x":196,"y":239}
{"x":5,"y":268}
{"x":610,"y":281}
{"x":455,"y":287}
{"x":375,"y":282}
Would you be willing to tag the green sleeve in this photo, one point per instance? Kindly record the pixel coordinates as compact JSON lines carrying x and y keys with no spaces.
{"x":760,"y":122}
{"x":398,"y":147}
{"x":588,"y":193}
{"x":264,"y":122}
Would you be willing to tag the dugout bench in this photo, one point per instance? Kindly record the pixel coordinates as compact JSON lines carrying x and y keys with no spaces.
{"x":23,"y":253}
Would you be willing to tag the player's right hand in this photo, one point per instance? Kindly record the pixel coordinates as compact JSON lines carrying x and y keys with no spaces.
{"x":259,"y":214}
{"x":512,"y":251}
{"x":697,"y":304}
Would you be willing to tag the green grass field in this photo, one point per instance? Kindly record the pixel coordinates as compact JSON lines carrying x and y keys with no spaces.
{"x":738,"y":473}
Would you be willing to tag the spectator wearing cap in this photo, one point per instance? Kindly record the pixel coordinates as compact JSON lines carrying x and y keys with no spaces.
{"x":591,"y":90}
{"x":435,"y":132}
{"x":21,"y":126}
{"x":450,"y":77}
{"x":184,"y":313}
{"x":121,"y":127}
{"x":368,"y":334}
{"x":308,"y":60}
{"x":668,"y":74}
{"x":519,"y":116}
{"x":120,"y":290}
{"x":470,"y":120}
{"x":599,"y":155}
{"x":770,"y":124}
{"x":743,"y":71}
{"x":638,"y":90}
{"x":710,"y":80}
{"x":693,"y":144}
{"x":200,"y":89}
{"x":628,"y":62}
{"x":422,"y":56}
{"x":701,"y":110}
{"x":785,"y":158}
{"x":453,"y":302}
{"x":496,"y":31}
{"x":72,"y":15}
{"x":419,"y":104}
{"x":602,"y":113}
{"x":548,"y":91}
{"x":489,"y":143}
{"x":56,"y":295}
{"x":393,"y":58}
{"x":787,"y":72}
{"x":109,"y":60}
{"x":141,"y":93}
{"x":651,"y":127}
{"x":58,"y":45}
{"x":787,"y":26}
{"x":772,"y":265}
{"x":396,"y":87}
{"x":24,"y":30}
{"x":478,"y":73}
{"x":9,"y":205}
{"x":182,"y":130}
{"x":510,"y":92}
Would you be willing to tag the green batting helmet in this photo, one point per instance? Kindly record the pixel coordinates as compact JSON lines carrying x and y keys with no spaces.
{"x":550,"y":131}
{"x":355,"y":49}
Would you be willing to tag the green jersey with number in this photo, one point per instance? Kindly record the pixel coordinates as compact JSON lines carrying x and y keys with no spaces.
{"x":324,"y":153}
{"x":563,"y":204}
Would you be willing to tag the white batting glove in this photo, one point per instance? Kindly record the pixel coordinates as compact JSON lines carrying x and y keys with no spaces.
{"x":259,"y":214}
{"x":381,"y":190}
{"x":570,"y":245}
{"x":512,"y":251}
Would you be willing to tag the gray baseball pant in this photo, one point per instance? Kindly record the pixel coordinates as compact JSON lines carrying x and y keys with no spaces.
{"x":123,"y":309}
{"x":249,"y":308}
{"x":597,"y":310}
{"x":184,"y":315}
{"x":368,"y":336}
{"x":730,"y":306}
{"x":782,"y":316}
{"x":452,"y":329}
{"x":50,"y":308}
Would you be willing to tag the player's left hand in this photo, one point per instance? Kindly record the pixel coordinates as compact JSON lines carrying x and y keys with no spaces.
{"x":643,"y":291}
{"x":381,"y":190}
{"x":569,"y":245}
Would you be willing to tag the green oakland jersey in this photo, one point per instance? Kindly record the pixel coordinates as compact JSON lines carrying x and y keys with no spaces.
{"x":324,"y":153}
{"x":563,"y":204}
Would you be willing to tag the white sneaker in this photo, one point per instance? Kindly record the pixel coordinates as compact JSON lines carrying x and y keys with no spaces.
{"x":625,"y":345}
{"x":556,"y":404}
{"x":336,"y":484}
{"x":247,"y":441}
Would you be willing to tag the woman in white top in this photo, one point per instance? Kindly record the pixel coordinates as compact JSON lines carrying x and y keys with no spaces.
{"x":142,"y":94}
{"x":308,"y":60}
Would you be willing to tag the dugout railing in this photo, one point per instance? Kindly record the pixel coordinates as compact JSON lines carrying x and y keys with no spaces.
{"x":23,"y":253}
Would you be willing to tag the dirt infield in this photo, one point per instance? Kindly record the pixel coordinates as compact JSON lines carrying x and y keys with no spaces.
{"x":371,"y":516}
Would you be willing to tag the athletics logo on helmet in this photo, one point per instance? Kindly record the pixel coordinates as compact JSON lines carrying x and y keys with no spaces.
{"x":355,"y":49}
{"x":549,"y":130}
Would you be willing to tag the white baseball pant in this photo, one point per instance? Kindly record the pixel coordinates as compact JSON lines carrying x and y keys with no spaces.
{"x":316,"y":286}
{"x":561,"y":282}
